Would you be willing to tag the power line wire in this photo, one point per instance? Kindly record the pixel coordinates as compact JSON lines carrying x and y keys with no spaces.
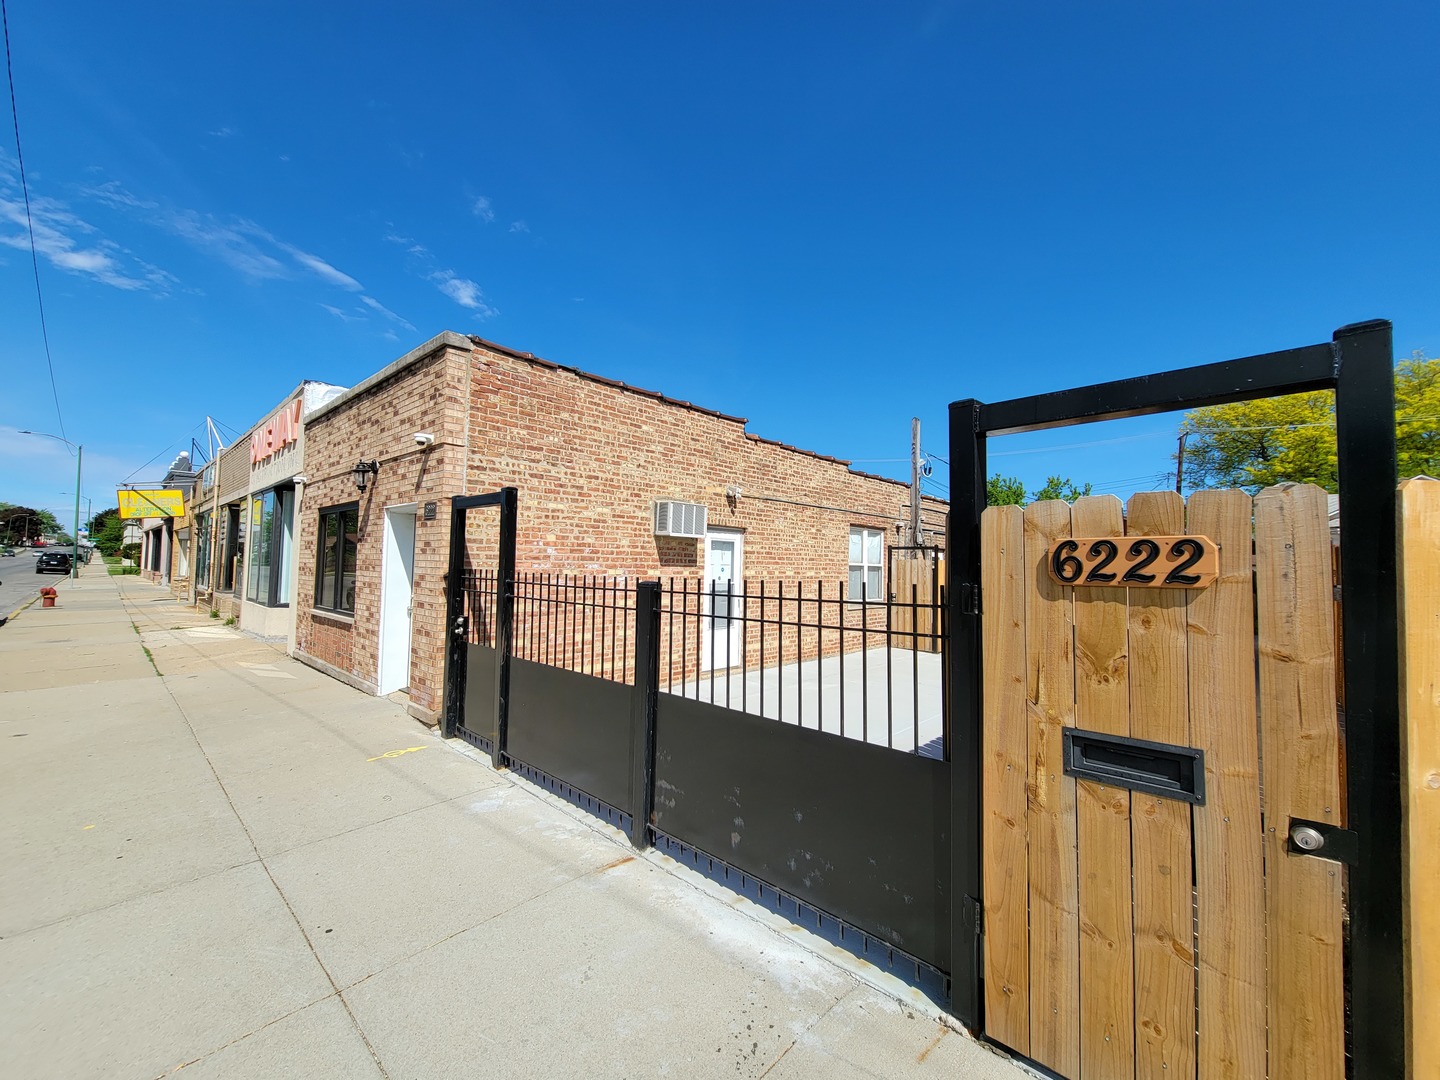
{"x":29,"y":224}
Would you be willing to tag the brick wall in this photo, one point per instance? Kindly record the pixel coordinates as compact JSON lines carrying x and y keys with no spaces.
{"x":429,"y":395}
{"x":590,"y":458}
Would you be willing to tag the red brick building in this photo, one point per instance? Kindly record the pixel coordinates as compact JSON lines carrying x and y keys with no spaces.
{"x":591,"y":459}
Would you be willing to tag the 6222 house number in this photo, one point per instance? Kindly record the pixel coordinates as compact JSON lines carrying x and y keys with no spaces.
{"x":1130,"y":562}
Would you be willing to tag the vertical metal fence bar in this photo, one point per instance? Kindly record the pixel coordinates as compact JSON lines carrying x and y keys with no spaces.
{"x":889,"y":673}
{"x":504,"y":624}
{"x":963,"y":730}
{"x":1365,"y":437}
{"x":915,"y":660}
{"x":864,"y":659}
{"x":643,"y":711}
{"x":762,"y":646}
{"x":820,"y":627}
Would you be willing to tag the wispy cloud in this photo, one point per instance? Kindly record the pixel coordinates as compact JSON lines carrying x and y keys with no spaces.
{"x":519,"y":226}
{"x":231,"y":243}
{"x":463,"y":291}
{"x":226,"y":132}
{"x":375,"y":305}
{"x":64,"y":239}
{"x":321,"y":268}
{"x":483,"y":210}
{"x":343,"y":316}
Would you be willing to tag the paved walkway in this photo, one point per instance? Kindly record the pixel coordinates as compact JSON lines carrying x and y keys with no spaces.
{"x":220,"y":863}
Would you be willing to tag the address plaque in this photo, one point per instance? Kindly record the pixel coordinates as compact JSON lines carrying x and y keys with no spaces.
{"x":1135,"y":562}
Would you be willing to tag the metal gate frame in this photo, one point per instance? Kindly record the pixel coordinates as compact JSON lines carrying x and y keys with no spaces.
{"x":457,"y":623}
{"x":1358,"y":364}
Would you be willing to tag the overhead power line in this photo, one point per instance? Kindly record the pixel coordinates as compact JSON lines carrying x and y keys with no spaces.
{"x":29,"y":224}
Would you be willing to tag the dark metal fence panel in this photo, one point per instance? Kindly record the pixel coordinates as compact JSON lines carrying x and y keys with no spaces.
{"x":574,"y":727}
{"x":812,"y":655}
{"x":477,"y":718}
{"x":854,"y":829}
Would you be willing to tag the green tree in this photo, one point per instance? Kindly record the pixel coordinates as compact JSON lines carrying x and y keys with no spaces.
{"x":20,"y":522}
{"x":107,"y":530}
{"x":1057,"y":487}
{"x":1253,"y":444}
{"x":1004,"y":491}
{"x":1010,"y":490}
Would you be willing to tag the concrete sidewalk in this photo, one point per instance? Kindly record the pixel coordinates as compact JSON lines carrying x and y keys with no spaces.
{"x":226,"y":864}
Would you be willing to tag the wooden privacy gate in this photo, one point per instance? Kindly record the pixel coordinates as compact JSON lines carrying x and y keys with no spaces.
{"x":1131,"y":934}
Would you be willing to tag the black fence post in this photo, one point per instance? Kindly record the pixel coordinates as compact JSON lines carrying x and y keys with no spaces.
{"x":642,"y":712}
{"x":504,"y":625}
{"x":456,"y":637}
{"x":1365,"y":436}
{"x":964,"y":718}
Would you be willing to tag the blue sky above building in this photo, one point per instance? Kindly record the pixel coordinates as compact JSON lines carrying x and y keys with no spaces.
{"x":827,"y":218}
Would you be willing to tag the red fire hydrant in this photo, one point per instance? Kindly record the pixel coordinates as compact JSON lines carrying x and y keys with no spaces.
{"x":47,"y":596}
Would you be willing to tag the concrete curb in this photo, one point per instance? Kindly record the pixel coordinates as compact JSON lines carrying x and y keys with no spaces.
{"x":19,"y":609}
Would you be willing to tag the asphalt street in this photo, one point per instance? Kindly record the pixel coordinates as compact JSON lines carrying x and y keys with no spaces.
{"x":19,"y":581}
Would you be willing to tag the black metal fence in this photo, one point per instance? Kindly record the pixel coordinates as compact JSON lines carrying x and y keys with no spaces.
{"x":806,"y":653}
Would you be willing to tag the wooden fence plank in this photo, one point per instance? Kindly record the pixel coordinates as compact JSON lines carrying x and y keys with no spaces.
{"x":1229,"y":864}
{"x":1299,"y":749}
{"x":1420,"y":700}
{"x":1160,"y":836}
{"x":1005,"y":777}
{"x":1050,"y":693}
{"x":1107,"y":938}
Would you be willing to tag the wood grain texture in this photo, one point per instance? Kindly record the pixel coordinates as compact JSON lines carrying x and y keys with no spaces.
{"x":1050,"y":703}
{"x":1229,"y":868}
{"x":1107,"y":940}
{"x":1160,"y":835}
{"x":1299,"y":731}
{"x":1004,"y":778}
{"x":1419,"y":513}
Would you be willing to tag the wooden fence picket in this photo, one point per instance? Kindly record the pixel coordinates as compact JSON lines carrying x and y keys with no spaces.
{"x":1050,"y":693}
{"x":1160,"y":828}
{"x":1300,"y":751}
{"x":1102,"y":703}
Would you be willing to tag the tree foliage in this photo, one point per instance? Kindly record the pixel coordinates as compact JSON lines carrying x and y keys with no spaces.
{"x":1060,"y":487}
{"x":1253,"y":444}
{"x":19,"y":522}
{"x":1004,"y":491}
{"x":1010,"y":490}
{"x":107,"y":530}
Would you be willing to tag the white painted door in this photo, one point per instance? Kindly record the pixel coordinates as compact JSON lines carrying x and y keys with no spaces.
{"x":722,"y":638}
{"x":397,"y":593}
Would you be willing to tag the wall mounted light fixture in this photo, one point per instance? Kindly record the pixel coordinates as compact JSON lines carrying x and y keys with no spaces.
{"x":362,"y":470}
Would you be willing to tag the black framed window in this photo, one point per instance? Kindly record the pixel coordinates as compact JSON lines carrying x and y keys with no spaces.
{"x":335,"y":559}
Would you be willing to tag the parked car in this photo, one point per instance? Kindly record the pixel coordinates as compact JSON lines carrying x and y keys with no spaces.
{"x":53,"y":562}
{"x":8,"y":553}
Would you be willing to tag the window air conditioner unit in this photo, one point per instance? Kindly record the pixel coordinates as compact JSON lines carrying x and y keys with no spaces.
{"x":679,"y":519}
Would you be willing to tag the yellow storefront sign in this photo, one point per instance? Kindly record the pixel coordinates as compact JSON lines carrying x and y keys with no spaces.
{"x":152,"y":504}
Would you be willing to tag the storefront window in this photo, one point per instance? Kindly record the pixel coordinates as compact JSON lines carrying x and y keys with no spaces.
{"x":272,"y":525}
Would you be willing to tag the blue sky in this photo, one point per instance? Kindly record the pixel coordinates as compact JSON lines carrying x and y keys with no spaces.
{"x":827,"y":218}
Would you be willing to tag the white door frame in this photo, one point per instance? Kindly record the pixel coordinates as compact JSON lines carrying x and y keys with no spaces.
{"x":728,"y":648}
{"x":397,"y":596}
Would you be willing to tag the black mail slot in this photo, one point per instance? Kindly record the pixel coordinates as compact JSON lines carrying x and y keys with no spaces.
{"x":1175,"y":772}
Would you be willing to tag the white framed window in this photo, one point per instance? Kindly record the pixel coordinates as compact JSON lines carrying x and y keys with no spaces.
{"x":867,"y":564}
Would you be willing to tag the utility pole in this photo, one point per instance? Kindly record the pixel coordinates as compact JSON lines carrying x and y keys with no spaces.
{"x":915,"y":481}
{"x":1180,"y":463}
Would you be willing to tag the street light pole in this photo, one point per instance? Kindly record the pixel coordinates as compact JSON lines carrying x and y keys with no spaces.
{"x":75,"y":535}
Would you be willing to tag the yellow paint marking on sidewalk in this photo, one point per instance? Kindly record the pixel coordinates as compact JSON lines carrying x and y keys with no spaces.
{"x":89,"y":826}
{"x":396,"y":753}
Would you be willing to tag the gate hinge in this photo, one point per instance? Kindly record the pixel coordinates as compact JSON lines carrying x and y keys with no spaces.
{"x":969,"y":599}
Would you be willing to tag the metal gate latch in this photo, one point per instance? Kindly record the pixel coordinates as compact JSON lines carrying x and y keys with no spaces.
{"x":1323,"y":841}
{"x":462,"y":625}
